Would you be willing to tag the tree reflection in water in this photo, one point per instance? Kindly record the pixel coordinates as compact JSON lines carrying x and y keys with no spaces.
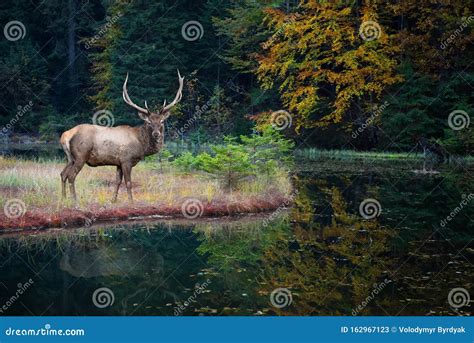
{"x":328,"y":256}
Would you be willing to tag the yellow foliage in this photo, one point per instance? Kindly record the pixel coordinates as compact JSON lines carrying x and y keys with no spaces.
{"x":322,"y":65}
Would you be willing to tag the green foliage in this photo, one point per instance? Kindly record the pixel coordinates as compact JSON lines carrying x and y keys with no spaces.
{"x":253,"y":57}
{"x":17,"y":64}
{"x":47,"y":130}
{"x":267,"y":149}
{"x":53,"y":125}
{"x":243,"y":245}
{"x":164,"y":155}
{"x":161,"y":159}
{"x":410,"y":113}
{"x":454,"y":95}
{"x":422,"y":109}
{"x":218,"y":118}
{"x":243,"y":26}
{"x":258,"y":155}
{"x":231,"y":162}
{"x":151,"y":53}
{"x":48,"y":66}
{"x":186,"y":162}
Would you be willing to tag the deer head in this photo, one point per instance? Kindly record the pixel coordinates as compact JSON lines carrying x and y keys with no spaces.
{"x":154,"y":119}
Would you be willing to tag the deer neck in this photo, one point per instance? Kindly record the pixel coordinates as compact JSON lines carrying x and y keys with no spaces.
{"x":151,"y":145}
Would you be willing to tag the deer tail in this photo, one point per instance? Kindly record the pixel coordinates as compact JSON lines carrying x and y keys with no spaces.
{"x":65,"y":139}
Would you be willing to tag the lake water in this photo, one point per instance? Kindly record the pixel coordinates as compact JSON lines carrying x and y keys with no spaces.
{"x":319,"y":257}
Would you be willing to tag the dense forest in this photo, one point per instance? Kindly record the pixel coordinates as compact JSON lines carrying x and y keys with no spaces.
{"x":351,"y":74}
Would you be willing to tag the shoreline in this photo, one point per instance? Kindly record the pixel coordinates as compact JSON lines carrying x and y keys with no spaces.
{"x":40,"y":219}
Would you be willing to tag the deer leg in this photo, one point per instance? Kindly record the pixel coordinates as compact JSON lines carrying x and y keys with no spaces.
{"x":73,"y":171}
{"x":64,"y":174}
{"x":118,"y":181}
{"x":127,"y":175}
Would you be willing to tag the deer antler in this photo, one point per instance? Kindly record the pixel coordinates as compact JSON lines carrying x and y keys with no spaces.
{"x":127,"y":100}
{"x":177,"y":98}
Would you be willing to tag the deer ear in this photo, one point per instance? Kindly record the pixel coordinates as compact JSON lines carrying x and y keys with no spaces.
{"x":144,"y":117}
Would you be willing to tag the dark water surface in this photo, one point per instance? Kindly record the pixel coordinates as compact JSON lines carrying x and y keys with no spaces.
{"x":320,"y":257}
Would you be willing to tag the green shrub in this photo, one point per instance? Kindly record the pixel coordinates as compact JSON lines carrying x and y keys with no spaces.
{"x":257,"y":155}
{"x":268,"y":150}
{"x":204,"y":162}
{"x":185,"y":162}
{"x":231,"y":163}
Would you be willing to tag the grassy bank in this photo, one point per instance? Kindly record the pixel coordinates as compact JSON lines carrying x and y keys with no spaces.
{"x":351,"y":155}
{"x":159,"y":189}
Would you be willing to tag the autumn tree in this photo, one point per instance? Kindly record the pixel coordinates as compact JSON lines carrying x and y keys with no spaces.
{"x":324,"y":69}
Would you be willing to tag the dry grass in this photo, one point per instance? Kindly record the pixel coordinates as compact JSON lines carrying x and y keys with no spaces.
{"x":37,"y":184}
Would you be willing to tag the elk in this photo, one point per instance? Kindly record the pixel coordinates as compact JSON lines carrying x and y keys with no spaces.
{"x":122,"y":146}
